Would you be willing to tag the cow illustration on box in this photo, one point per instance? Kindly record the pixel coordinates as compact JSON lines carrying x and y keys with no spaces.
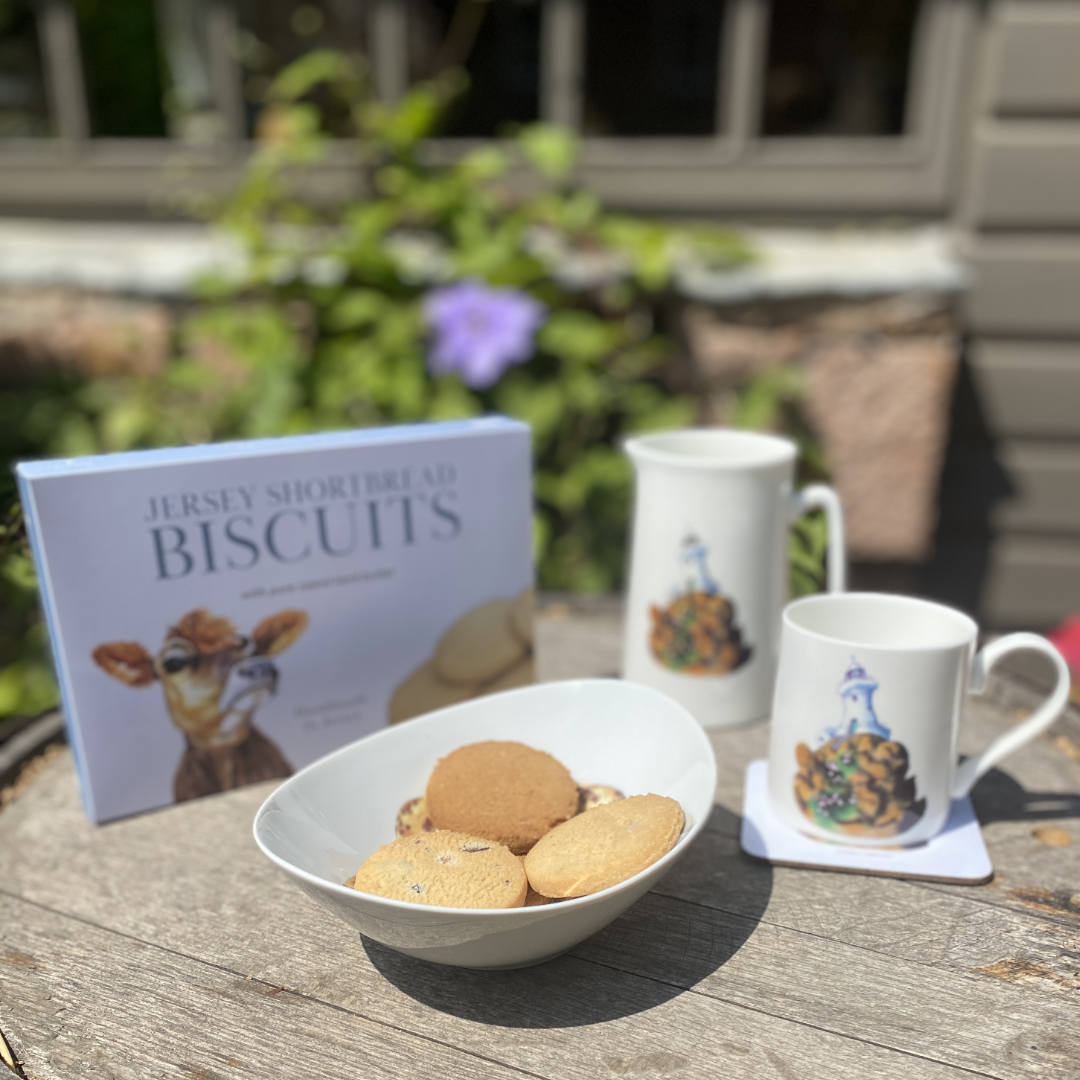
{"x":214,"y":679}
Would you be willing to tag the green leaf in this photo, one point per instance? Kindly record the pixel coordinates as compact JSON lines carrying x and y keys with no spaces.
{"x":480,"y":165}
{"x":303,"y":75}
{"x":18,"y":570}
{"x":550,"y":149}
{"x":356,"y":308}
{"x":578,"y":336}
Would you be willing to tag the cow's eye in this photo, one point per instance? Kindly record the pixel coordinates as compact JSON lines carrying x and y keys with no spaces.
{"x":173,"y":664}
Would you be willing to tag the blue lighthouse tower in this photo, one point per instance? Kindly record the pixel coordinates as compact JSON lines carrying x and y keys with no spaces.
{"x":695,"y":553}
{"x":857,"y":693}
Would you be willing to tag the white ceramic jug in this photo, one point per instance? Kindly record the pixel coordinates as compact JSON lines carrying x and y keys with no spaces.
{"x":709,"y":566}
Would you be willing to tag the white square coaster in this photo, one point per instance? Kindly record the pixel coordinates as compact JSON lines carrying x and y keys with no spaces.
{"x":956,"y":855}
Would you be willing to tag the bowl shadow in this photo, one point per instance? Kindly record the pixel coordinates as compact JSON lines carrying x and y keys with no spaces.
{"x":698,"y":916}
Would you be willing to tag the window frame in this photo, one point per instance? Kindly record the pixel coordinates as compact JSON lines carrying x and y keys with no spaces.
{"x":736,"y":172}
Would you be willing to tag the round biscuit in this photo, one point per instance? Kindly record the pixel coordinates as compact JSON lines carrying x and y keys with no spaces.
{"x":505,"y":791}
{"x":413,"y":818}
{"x":447,"y":869}
{"x":479,"y":646}
{"x":604,"y":846}
{"x":523,"y":674}
{"x":423,"y":691}
{"x":594,"y":795}
{"x":521,"y":616}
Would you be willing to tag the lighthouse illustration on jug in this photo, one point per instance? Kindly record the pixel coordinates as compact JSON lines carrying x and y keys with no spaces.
{"x":855,"y":779}
{"x":696,"y":632}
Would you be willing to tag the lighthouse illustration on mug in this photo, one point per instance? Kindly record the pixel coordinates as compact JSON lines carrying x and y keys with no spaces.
{"x":855,"y":780}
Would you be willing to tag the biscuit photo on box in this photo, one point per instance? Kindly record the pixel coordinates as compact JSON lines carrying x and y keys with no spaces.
{"x":488,"y":650}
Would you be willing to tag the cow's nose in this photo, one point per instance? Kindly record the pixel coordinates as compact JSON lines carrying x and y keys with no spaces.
{"x":259,"y":671}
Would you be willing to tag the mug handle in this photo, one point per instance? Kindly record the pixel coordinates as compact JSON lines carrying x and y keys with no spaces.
{"x":972,"y":768}
{"x":822,"y":497}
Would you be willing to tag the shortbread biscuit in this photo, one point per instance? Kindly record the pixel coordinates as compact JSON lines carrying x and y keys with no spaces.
{"x":609,"y":844}
{"x":479,"y":646}
{"x":534,"y":899}
{"x":423,"y":691}
{"x":523,"y":674}
{"x":597,"y":795}
{"x":521,"y":616}
{"x":504,"y":791}
{"x":413,"y":818}
{"x":447,"y":869}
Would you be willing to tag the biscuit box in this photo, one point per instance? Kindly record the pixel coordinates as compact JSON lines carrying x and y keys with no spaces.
{"x":226,"y":614}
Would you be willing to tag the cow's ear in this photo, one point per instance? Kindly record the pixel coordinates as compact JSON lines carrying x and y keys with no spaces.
{"x":127,"y":661}
{"x":277,"y":633}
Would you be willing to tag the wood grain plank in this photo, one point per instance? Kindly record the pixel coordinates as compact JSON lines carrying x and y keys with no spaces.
{"x":1027,"y":388}
{"x":79,"y":1001}
{"x":731,"y":967}
{"x":1032,"y":580}
{"x":1016,"y":486}
{"x":707,"y":941}
{"x":1036,"y":72}
{"x":1011,"y":582}
{"x":1025,"y":286}
{"x":76,"y":1001}
{"x":668,"y":944}
{"x":1026,"y":175}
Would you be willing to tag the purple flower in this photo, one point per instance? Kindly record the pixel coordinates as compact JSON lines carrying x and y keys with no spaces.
{"x":478,"y":331}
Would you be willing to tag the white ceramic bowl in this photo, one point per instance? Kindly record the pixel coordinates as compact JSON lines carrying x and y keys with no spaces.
{"x":324,"y":821}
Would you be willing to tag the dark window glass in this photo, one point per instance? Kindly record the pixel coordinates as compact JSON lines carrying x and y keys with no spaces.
{"x":838,"y":67}
{"x":189,"y":99}
{"x":122,"y":62}
{"x":497,"y":42}
{"x":651,"y":66}
{"x":273,"y":33}
{"x":23,"y":108}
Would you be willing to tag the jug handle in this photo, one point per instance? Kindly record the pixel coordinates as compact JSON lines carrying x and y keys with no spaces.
{"x":822,"y":497}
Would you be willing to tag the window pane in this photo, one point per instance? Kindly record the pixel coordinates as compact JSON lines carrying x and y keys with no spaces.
{"x":189,"y":99}
{"x":273,"y":33}
{"x":121,"y":57}
{"x":838,"y":67}
{"x":498,"y":44}
{"x":651,"y":66}
{"x":23,"y":109}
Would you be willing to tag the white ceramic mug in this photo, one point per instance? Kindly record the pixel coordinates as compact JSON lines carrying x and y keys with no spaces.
{"x":709,"y":566}
{"x":867,"y":713}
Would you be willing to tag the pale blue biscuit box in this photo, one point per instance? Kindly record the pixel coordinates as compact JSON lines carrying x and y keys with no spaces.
{"x":228,"y":613}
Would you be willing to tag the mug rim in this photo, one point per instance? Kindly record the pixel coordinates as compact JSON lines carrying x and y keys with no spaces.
{"x":661,"y":448}
{"x":894,"y":600}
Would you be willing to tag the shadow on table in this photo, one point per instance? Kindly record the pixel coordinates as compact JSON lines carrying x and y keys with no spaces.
{"x":998,"y":797}
{"x":662,"y":946}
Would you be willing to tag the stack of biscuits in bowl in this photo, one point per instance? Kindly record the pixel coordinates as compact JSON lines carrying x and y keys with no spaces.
{"x":487,"y":650}
{"x":503,"y":825}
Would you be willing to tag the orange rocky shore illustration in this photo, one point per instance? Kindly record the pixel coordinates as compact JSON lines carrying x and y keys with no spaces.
{"x":696,"y":633}
{"x":856,"y":782}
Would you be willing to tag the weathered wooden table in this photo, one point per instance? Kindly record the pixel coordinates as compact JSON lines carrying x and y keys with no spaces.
{"x":166,"y":945}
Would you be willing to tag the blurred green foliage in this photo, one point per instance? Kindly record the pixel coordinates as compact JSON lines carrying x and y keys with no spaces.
{"x":325,"y":329}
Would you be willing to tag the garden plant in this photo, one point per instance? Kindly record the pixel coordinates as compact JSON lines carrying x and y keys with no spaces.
{"x":440,"y":288}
